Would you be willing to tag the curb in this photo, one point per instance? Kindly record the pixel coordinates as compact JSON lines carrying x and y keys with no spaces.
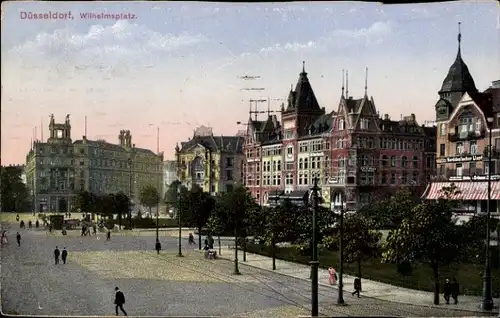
{"x":494,"y":312}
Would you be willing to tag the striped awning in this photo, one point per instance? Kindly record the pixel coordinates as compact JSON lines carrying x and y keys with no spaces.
{"x":472,"y":190}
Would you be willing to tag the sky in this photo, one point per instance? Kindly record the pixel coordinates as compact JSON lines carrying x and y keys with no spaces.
{"x":177,"y":65}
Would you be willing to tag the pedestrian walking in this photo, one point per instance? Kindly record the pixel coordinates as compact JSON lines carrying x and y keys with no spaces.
{"x":64,"y":255}
{"x":94,"y":227}
{"x":56,"y":255}
{"x":357,"y":286}
{"x":119,"y":301}
{"x":158,"y":246}
{"x":37,"y":224}
{"x":455,"y":289}
{"x":18,"y":237}
{"x":17,"y":218}
{"x":108,"y":235}
{"x":447,"y":291}
{"x":30,"y":224}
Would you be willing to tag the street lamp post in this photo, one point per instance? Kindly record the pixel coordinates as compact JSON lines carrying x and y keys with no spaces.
{"x":340,"y":295}
{"x":487,"y":285}
{"x":314,"y":263}
{"x":273,"y":233}
{"x":130,"y":192}
{"x":179,"y":217}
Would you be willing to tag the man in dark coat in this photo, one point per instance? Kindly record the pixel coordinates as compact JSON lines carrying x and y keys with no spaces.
{"x":447,"y":291}
{"x":158,"y":246}
{"x":357,"y":286}
{"x":18,"y":237}
{"x":56,"y":255}
{"x":119,"y":301}
{"x":455,"y":289}
{"x":64,"y":255}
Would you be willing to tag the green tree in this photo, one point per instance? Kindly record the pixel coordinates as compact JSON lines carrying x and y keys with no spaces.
{"x":325,"y":221}
{"x":473,"y":232}
{"x":361,"y":240}
{"x":428,"y":235}
{"x":121,"y":205}
{"x":215,"y":227}
{"x":85,"y":202}
{"x":201,"y":205}
{"x":234,"y":208}
{"x":149,"y":197}
{"x":14,"y":193}
{"x":171,"y":195}
{"x":390,"y":212}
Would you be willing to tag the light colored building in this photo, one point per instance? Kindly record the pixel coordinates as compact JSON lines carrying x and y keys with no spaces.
{"x":215,"y":163}
{"x":169,"y":173}
{"x":58,"y":169}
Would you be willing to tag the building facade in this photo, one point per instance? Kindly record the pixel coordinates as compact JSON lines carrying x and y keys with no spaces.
{"x":357,"y":155}
{"x":58,"y":169}
{"x":467,"y":119}
{"x":214,"y":163}
{"x":169,"y":173}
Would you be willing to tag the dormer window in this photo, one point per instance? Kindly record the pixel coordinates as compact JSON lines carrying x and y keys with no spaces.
{"x":364,"y":123}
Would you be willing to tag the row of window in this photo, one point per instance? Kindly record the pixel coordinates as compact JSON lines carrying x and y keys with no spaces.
{"x":368,"y":178}
{"x":467,"y":124}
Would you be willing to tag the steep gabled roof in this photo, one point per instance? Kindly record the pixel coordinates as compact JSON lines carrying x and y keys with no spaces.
{"x":229,"y":144}
{"x":458,"y":78}
{"x":302,"y":98}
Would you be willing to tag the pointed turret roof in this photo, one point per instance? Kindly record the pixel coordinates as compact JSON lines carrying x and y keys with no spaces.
{"x":302,"y":98}
{"x":459,"y":78}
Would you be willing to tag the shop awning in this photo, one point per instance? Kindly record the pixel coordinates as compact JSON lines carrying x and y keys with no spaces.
{"x":468,"y":190}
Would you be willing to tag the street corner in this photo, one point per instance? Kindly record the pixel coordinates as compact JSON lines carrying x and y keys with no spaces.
{"x":277,"y":312}
{"x":138,"y":265}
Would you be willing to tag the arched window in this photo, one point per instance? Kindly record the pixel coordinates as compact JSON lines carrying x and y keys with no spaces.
{"x":384,"y":161}
{"x":301,"y":163}
{"x":415,"y":162}
{"x":341,"y":124}
{"x":393,"y":161}
{"x":404,"y":162}
{"x":341,"y":162}
{"x":305,"y":164}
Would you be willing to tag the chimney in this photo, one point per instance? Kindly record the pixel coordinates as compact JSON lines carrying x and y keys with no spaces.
{"x":84,"y":139}
{"x":350,"y":97}
{"x":386,"y":116}
{"x":413,"y":118}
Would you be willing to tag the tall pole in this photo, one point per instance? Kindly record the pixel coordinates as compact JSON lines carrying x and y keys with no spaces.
{"x":487,"y":297}
{"x":130,"y":192}
{"x":274,"y":232}
{"x":340,"y":296}
{"x":314,"y":262}
{"x":158,"y":203}
{"x":179,"y":217}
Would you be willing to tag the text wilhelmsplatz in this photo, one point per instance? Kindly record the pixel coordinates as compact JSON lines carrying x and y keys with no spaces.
{"x":68,"y":15}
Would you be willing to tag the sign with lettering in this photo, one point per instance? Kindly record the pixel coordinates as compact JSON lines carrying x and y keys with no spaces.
{"x":367,"y":169}
{"x":474,"y":178}
{"x":460,"y":159}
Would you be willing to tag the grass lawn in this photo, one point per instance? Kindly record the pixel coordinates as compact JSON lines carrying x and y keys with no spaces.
{"x":469,"y":275}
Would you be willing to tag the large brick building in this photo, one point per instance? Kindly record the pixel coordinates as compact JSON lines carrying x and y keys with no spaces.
{"x":352,"y":150}
{"x":465,"y":119}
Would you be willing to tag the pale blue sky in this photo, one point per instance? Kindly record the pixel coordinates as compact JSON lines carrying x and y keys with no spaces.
{"x":180,"y":62}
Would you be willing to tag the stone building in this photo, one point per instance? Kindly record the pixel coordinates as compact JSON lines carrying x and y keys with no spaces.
{"x":215,"y":163}
{"x":354,"y":152}
{"x":58,"y":169}
{"x":466,"y":119}
{"x":169,"y":173}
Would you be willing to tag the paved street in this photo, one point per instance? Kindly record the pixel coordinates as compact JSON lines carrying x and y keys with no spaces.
{"x":160,"y":284}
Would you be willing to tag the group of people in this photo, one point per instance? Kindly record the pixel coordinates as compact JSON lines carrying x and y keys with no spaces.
{"x":63,"y":255}
{"x":451,"y":289}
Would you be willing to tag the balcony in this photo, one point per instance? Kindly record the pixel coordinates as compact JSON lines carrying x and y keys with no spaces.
{"x":466,"y":135}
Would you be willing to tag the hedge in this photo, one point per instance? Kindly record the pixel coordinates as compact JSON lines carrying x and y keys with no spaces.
{"x":470,"y":276}
{"x":147,"y":223}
